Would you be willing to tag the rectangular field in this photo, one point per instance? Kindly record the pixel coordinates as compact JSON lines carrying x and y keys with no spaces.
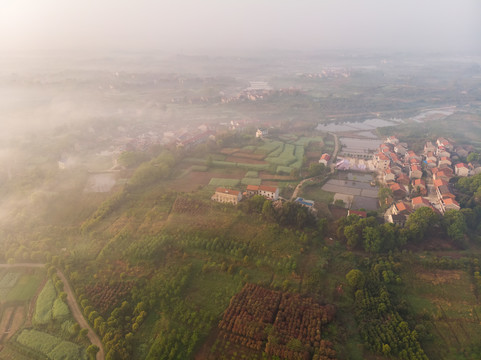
{"x":224,"y":182}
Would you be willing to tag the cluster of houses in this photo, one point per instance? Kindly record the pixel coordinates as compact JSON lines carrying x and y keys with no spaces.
{"x":230,"y":196}
{"x":328,"y":73}
{"x":418,"y":180}
{"x":224,"y":195}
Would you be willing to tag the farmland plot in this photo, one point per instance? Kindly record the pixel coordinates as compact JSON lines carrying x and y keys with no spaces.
{"x":51,"y":346}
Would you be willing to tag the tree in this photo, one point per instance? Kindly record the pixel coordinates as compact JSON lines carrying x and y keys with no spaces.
{"x":316,"y":169}
{"x":455,"y":225}
{"x":83,"y":334}
{"x":355,"y":278}
{"x":353,"y":236}
{"x":131,"y":159}
{"x":92,"y":351}
{"x":268,"y":210}
{"x":372,"y":239}
{"x":420,"y":222}
{"x":384,"y":194}
{"x":473,"y":157}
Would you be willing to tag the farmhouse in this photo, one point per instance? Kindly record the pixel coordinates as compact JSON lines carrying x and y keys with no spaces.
{"x":403,"y":179}
{"x":269,"y":192}
{"x":419,"y":202}
{"x":415,"y":172}
{"x":324,"y":159}
{"x":449,"y":204}
{"x":399,"y":191}
{"x":388,"y":176}
{"x":224,"y":195}
{"x":461,"y":169}
{"x":419,"y":185}
{"x":401,"y":208}
{"x":397,"y":219}
{"x":381,"y":161}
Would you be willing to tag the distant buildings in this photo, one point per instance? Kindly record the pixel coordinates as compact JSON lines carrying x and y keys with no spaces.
{"x":261,"y":133}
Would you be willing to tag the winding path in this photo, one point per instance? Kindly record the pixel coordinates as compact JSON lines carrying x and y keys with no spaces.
{"x":331,"y":164}
{"x":73,"y":305}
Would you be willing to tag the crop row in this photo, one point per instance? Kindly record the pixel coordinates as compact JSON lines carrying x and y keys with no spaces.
{"x":105,"y":296}
{"x":183,"y":205}
{"x":9,"y":280}
{"x":224,"y":182}
{"x":51,"y":346}
{"x":288,"y":324}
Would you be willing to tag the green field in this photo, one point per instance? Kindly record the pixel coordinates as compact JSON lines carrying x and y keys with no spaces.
{"x":25,"y":288}
{"x":51,"y":346}
{"x":251,"y":181}
{"x":445,"y":298}
{"x":224,"y":182}
{"x":43,"y":307}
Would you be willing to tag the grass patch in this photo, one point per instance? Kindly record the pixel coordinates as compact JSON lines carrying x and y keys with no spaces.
{"x":51,"y":346}
{"x":43,"y":307}
{"x":25,"y":288}
{"x":60,"y":310}
{"x":283,"y":170}
{"x":251,"y":181}
{"x":9,"y":280}
{"x":314,"y":192}
{"x":252,"y":174}
{"x":199,"y":168}
{"x":268,"y":147}
{"x":224,"y":182}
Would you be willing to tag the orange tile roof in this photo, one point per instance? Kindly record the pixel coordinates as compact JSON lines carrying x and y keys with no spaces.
{"x":418,"y":182}
{"x":449,"y":201}
{"x":420,"y":200}
{"x":227,"y":191}
{"x":401,"y":206}
{"x":396,"y":186}
{"x":460,"y":165}
{"x":253,"y":187}
{"x":439,"y":182}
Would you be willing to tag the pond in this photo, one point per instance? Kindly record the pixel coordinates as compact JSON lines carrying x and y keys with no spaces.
{"x":366,"y":125}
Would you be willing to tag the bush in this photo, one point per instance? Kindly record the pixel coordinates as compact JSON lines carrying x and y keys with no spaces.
{"x":60,"y":310}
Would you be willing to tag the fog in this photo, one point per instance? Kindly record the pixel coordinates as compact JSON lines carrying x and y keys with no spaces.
{"x":187,"y":25}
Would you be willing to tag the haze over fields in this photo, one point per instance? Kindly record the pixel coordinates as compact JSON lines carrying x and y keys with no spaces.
{"x":188,"y":25}
{"x":223,"y":180}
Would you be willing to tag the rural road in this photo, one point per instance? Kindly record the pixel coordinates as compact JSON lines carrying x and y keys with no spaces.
{"x":332,"y":165}
{"x":74,"y":307}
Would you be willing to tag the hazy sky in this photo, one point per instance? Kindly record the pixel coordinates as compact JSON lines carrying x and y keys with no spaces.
{"x":180,"y":25}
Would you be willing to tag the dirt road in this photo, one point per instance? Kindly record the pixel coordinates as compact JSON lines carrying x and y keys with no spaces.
{"x":74,"y":307}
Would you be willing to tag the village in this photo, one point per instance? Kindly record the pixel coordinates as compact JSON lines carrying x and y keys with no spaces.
{"x":412,"y":180}
{"x":420,"y":180}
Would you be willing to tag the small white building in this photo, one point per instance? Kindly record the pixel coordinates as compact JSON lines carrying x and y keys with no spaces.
{"x":260,"y":133}
{"x":324,"y":159}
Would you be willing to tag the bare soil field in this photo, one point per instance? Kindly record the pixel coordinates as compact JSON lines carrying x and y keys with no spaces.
{"x":439,"y":276}
{"x":17,"y":321}
{"x":5,"y":322}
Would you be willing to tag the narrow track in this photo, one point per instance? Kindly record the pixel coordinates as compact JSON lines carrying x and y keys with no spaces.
{"x":73,"y":305}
